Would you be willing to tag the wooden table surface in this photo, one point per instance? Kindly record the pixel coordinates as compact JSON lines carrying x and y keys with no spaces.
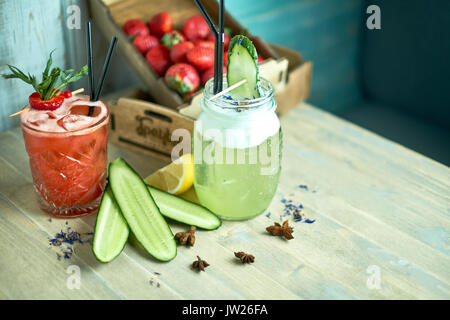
{"x":381,"y":232}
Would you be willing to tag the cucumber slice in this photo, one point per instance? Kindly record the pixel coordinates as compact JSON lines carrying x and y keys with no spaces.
{"x":243,"y":64}
{"x":140,"y":211}
{"x":111,"y":229}
{"x":184,"y":211}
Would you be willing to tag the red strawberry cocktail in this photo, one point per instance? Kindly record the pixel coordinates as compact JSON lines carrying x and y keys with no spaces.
{"x":66,"y":137}
{"x":68,"y":155}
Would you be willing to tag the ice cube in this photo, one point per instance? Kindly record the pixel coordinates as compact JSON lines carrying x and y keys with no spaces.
{"x":38,"y":118}
{"x":84,"y":110}
{"x":51,"y":115}
{"x":73,"y":122}
{"x":81,"y":110}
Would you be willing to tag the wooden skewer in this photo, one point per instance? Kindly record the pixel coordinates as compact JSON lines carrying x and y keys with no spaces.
{"x":28,"y":107}
{"x":77,"y":91}
{"x":240,"y":83}
{"x":19,"y":112}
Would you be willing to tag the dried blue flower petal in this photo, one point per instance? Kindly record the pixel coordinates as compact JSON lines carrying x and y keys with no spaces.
{"x":68,"y":238}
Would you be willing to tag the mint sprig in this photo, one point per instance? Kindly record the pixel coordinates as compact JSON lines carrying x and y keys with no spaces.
{"x":47,"y":87}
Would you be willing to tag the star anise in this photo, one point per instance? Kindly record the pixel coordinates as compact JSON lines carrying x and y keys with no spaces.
{"x":245,"y":257}
{"x":281,"y":230}
{"x":200,"y":264}
{"x":186,"y":237}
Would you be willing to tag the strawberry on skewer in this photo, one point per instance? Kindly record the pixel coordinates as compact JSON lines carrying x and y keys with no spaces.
{"x":48,"y":95}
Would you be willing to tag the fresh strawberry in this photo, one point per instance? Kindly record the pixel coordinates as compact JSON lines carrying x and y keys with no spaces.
{"x":183,"y":78}
{"x":204,"y":43}
{"x":211,"y":45}
{"x":179,"y":51}
{"x":135,"y":27}
{"x":158,"y":58}
{"x":209,"y":73}
{"x":201,"y":57}
{"x":260,"y":59}
{"x":160,"y":24}
{"x":67,"y":94}
{"x":37,"y":103}
{"x":226,"y":39}
{"x":196,"y":28}
{"x":145,"y":43}
{"x":48,"y":93}
{"x":171,"y":38}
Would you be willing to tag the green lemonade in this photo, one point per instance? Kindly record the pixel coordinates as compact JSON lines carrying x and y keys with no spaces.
{"x":237,"y":139}
{"x":240,"y":182}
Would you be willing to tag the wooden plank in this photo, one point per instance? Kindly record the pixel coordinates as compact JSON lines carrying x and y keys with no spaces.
{"x":395,"y":206}
{"x":133,"y":282}
{"x":375,"y":204}
{"x":36,"y":263}
{"x":220,"y":289}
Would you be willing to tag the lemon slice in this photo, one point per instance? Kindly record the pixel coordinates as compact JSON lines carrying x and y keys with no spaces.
{"x":174,"y":178}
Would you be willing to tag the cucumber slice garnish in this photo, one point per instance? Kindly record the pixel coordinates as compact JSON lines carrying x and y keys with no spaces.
{"x":184,"y":211}
{"x":141,"y":212}
{"x":111,"y":229}
{"x":243,"y":64}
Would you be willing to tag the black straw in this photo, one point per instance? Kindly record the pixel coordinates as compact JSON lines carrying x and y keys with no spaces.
{"x":90,"y":65}
{"x":218,"y":47}
{"x":105,"y":67}
{"x":90,"y":60}
{"x":221,"y":41}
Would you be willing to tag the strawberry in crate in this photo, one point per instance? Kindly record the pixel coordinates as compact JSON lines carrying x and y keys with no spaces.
{"x":196,"y":28}
{"x":135,"y":27}
{"x":171,"y":38}
{"x":179,"y":51}
{"x":182,"y":78}
{"x":160,"y":24}
{"x":184,"y":58}
{"x":201,"y":57}
{"x":158,"y":58}
{"x":143,"y":43}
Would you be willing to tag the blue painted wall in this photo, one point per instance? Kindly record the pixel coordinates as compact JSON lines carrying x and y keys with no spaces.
{"x":29,"y":30}
{"x":327,"y":32}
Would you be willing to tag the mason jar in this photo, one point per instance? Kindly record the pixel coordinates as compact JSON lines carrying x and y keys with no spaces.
{"x":237,"y":153}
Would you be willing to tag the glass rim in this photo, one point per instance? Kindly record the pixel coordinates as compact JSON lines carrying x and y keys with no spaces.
{"x":96,"y":124}
{"x":226,"y":102}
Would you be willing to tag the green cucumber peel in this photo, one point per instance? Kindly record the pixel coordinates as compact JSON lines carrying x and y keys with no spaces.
{"x":141,"y":212}
{"x":111,"y":229}
{"x":243,"y":64}
{"x":184,"y":211}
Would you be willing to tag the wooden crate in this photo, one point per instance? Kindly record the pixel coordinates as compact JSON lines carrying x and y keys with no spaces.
{"x":142,"y":125}
{"x":285,"y":68}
